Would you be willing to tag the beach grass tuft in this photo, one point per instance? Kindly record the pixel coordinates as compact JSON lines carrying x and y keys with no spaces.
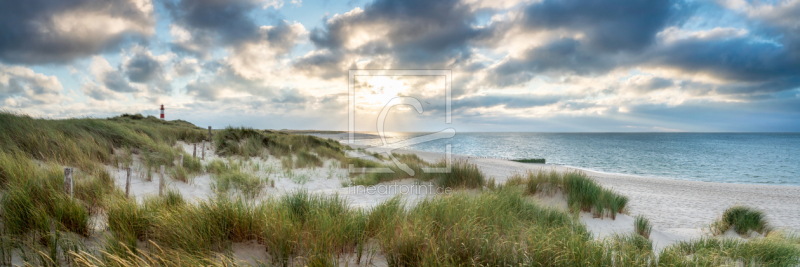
{"x":642,"y":226}
{"x":462,"y":175}
{"x":244,"y":183}
{"x":743,"y":219}
{"x":582,"y":192}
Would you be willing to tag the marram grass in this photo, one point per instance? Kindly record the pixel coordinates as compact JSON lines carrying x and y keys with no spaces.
{"x":582,"y":192}
{"x":742,"y":219}
{"x":642,"y":226}
{"x":43,"y":226}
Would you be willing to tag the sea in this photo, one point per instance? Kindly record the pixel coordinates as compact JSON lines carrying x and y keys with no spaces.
{"x":747,"y":158}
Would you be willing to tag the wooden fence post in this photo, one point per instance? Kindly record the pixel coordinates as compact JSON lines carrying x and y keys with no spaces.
{"x":161,"y":182}
{"x":68,"y":184}
{"x":209,"y":133}
{"x":203,"y":150}
{"x":128,"y":182}
{"x":194,"y":152}
{"x":181,"y":161}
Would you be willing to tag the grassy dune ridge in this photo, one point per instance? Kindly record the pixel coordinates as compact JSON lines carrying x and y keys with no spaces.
{"x":498,"y":226}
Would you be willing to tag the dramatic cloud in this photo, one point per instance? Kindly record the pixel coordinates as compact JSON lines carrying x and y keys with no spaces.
{"x":200,"y":25}
{"x":516,"y":64}
{"x":47,"y":31}
{"x":583,"y":37}
{"x":393,"y":34}
{"x":606,"y":26}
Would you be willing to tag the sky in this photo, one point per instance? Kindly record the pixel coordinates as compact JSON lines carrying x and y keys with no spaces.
{"x":538,"y":66}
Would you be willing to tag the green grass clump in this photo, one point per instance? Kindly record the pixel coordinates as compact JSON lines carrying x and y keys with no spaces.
{"x":180,"y":173}
{"x":330,"y":153}
{"x":217,"y":166}
{"x":630,"y":249}
{"x":129,"y":222}
{"x":192,"y":165}
{"x":582,"y":192}
{"x":642,"y":226}
{"x":360,"y":163}
{"x":492,"y":229}
{"x":777,"y":249}
{"x":306,"y":159}
{"x":250,"y":142}
{"x":368,"y":179}
{"x":462,"y":175}
{"x":92,"y":189}
{"x":410,"y":158}
{"x":529,"y":160}
{"x":244,"y":183}
{"x":30,"y":202}
{"x":743,"y":219}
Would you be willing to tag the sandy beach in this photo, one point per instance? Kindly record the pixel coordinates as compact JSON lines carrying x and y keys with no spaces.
{"x":679,"y":210}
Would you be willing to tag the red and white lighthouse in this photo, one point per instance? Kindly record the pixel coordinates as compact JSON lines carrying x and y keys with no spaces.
{"x":162,"y":111}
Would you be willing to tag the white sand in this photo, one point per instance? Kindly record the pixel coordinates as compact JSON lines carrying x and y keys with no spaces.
{"x":678,"y":209}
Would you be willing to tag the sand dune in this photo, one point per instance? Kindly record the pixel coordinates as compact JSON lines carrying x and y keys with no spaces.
{"x":679,"y":210}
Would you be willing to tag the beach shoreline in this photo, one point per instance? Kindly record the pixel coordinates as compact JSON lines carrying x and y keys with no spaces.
{"x":679,"y":207}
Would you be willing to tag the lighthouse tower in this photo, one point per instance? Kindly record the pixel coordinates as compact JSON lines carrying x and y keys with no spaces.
{"x":162,"y":111}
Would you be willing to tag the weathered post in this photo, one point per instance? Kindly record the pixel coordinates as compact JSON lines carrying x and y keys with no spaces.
{"x":128,"y":183}
{"x":194,"y":152}
{"x":181,"y":161}
{"x":203,"y":150}
{"x":161,"y":182}
{"x":209,"y":133}
{"x":68,"y":185}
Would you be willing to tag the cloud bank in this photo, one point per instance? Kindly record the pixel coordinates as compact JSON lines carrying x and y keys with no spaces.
{"x":568,"y":65}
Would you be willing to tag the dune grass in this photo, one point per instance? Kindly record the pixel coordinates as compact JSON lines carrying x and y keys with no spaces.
{"x":42,"y":225}
{"x":462,"y":173}
{"x":86,"y":142}
{"x":743,"y":219}
{"x":192,"y":165}
{"x":35,"y":198}
{"x":642,"y":226}
{"x":244,"y":183}
{"x":777,"y":249}
{"x":495,"y":228}
{"x":305,"y":159}
{"x":582,"y":192}
{"x":249,"y":142}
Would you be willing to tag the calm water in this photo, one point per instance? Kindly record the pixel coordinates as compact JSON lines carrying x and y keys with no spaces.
{"x":762,"y":158}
